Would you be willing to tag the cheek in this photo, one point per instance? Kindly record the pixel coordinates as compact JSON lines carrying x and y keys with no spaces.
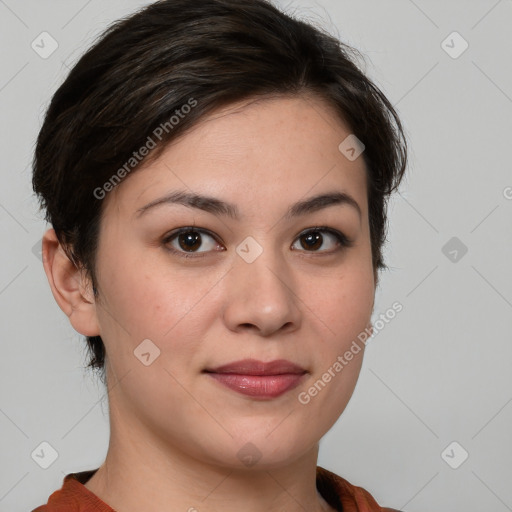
{"x":150,"y":298}
{"x":344,"y":304}
{"x":160,"y":303}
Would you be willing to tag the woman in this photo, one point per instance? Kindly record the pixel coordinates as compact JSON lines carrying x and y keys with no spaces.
{"x":216,"y":175}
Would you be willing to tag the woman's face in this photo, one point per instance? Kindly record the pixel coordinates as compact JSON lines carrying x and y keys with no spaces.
{"x":262,"y":279}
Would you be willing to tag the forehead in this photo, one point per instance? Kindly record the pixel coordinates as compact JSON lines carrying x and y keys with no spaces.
{"x":270,"y":148}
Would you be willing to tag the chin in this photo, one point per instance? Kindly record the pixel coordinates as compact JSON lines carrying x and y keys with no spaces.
{"x":263,"y":451}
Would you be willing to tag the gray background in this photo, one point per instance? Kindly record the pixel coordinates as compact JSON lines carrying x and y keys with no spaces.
{"x":439,"y":372}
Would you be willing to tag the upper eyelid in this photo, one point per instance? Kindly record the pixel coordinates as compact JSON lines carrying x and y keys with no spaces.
{"x":186,"y":229}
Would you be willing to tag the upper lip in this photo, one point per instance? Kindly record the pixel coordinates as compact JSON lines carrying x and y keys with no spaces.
{"x":255,"y":367}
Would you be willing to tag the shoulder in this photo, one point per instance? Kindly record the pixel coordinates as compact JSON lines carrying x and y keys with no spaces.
{"x":343,"y":495}
{"x":73,"y":496}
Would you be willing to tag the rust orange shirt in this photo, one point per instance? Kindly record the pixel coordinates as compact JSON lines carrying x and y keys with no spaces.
{"x":340,"y":494}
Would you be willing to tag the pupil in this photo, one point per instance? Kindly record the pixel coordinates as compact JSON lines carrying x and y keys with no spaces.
{"x":312,"y":240}
{"x":190,"y":240}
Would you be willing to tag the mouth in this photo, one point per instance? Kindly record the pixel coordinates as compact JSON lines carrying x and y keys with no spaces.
{"x":258,"y":379}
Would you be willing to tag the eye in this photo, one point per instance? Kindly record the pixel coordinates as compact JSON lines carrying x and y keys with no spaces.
{"x":189,"y":240}
{"x":312,"y":239}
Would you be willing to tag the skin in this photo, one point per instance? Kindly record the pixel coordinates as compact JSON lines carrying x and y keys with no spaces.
{"x":175,"y":431}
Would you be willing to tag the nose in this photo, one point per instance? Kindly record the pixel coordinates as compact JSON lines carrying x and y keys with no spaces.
{"x":261,"y":296}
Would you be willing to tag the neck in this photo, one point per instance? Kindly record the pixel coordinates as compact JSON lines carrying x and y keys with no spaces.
{"x":136,"y":470}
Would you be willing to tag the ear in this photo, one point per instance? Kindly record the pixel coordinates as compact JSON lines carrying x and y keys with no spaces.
{"x":70,"y":287}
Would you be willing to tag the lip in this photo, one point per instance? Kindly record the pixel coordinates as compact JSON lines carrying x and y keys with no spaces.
{"x":255,"y":367}
{"x":258,"y":379}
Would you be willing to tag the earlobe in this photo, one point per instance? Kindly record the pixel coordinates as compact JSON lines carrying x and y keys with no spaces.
{"x":70,"y":286}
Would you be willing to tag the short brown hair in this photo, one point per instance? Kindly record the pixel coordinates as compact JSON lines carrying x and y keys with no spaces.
{"x":144,"y":68}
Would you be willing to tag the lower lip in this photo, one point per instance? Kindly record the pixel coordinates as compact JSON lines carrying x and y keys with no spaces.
{"x":259,"y":386}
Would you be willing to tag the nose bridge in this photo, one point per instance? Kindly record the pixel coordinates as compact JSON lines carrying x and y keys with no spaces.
{"x":260,"y":266}
{"x":261,"y":288}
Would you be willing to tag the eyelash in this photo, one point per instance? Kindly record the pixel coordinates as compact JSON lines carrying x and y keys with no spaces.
{"x":343,"y":240}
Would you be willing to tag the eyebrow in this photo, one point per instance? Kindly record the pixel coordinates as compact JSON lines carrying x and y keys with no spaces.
{"x":218,"y":207}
